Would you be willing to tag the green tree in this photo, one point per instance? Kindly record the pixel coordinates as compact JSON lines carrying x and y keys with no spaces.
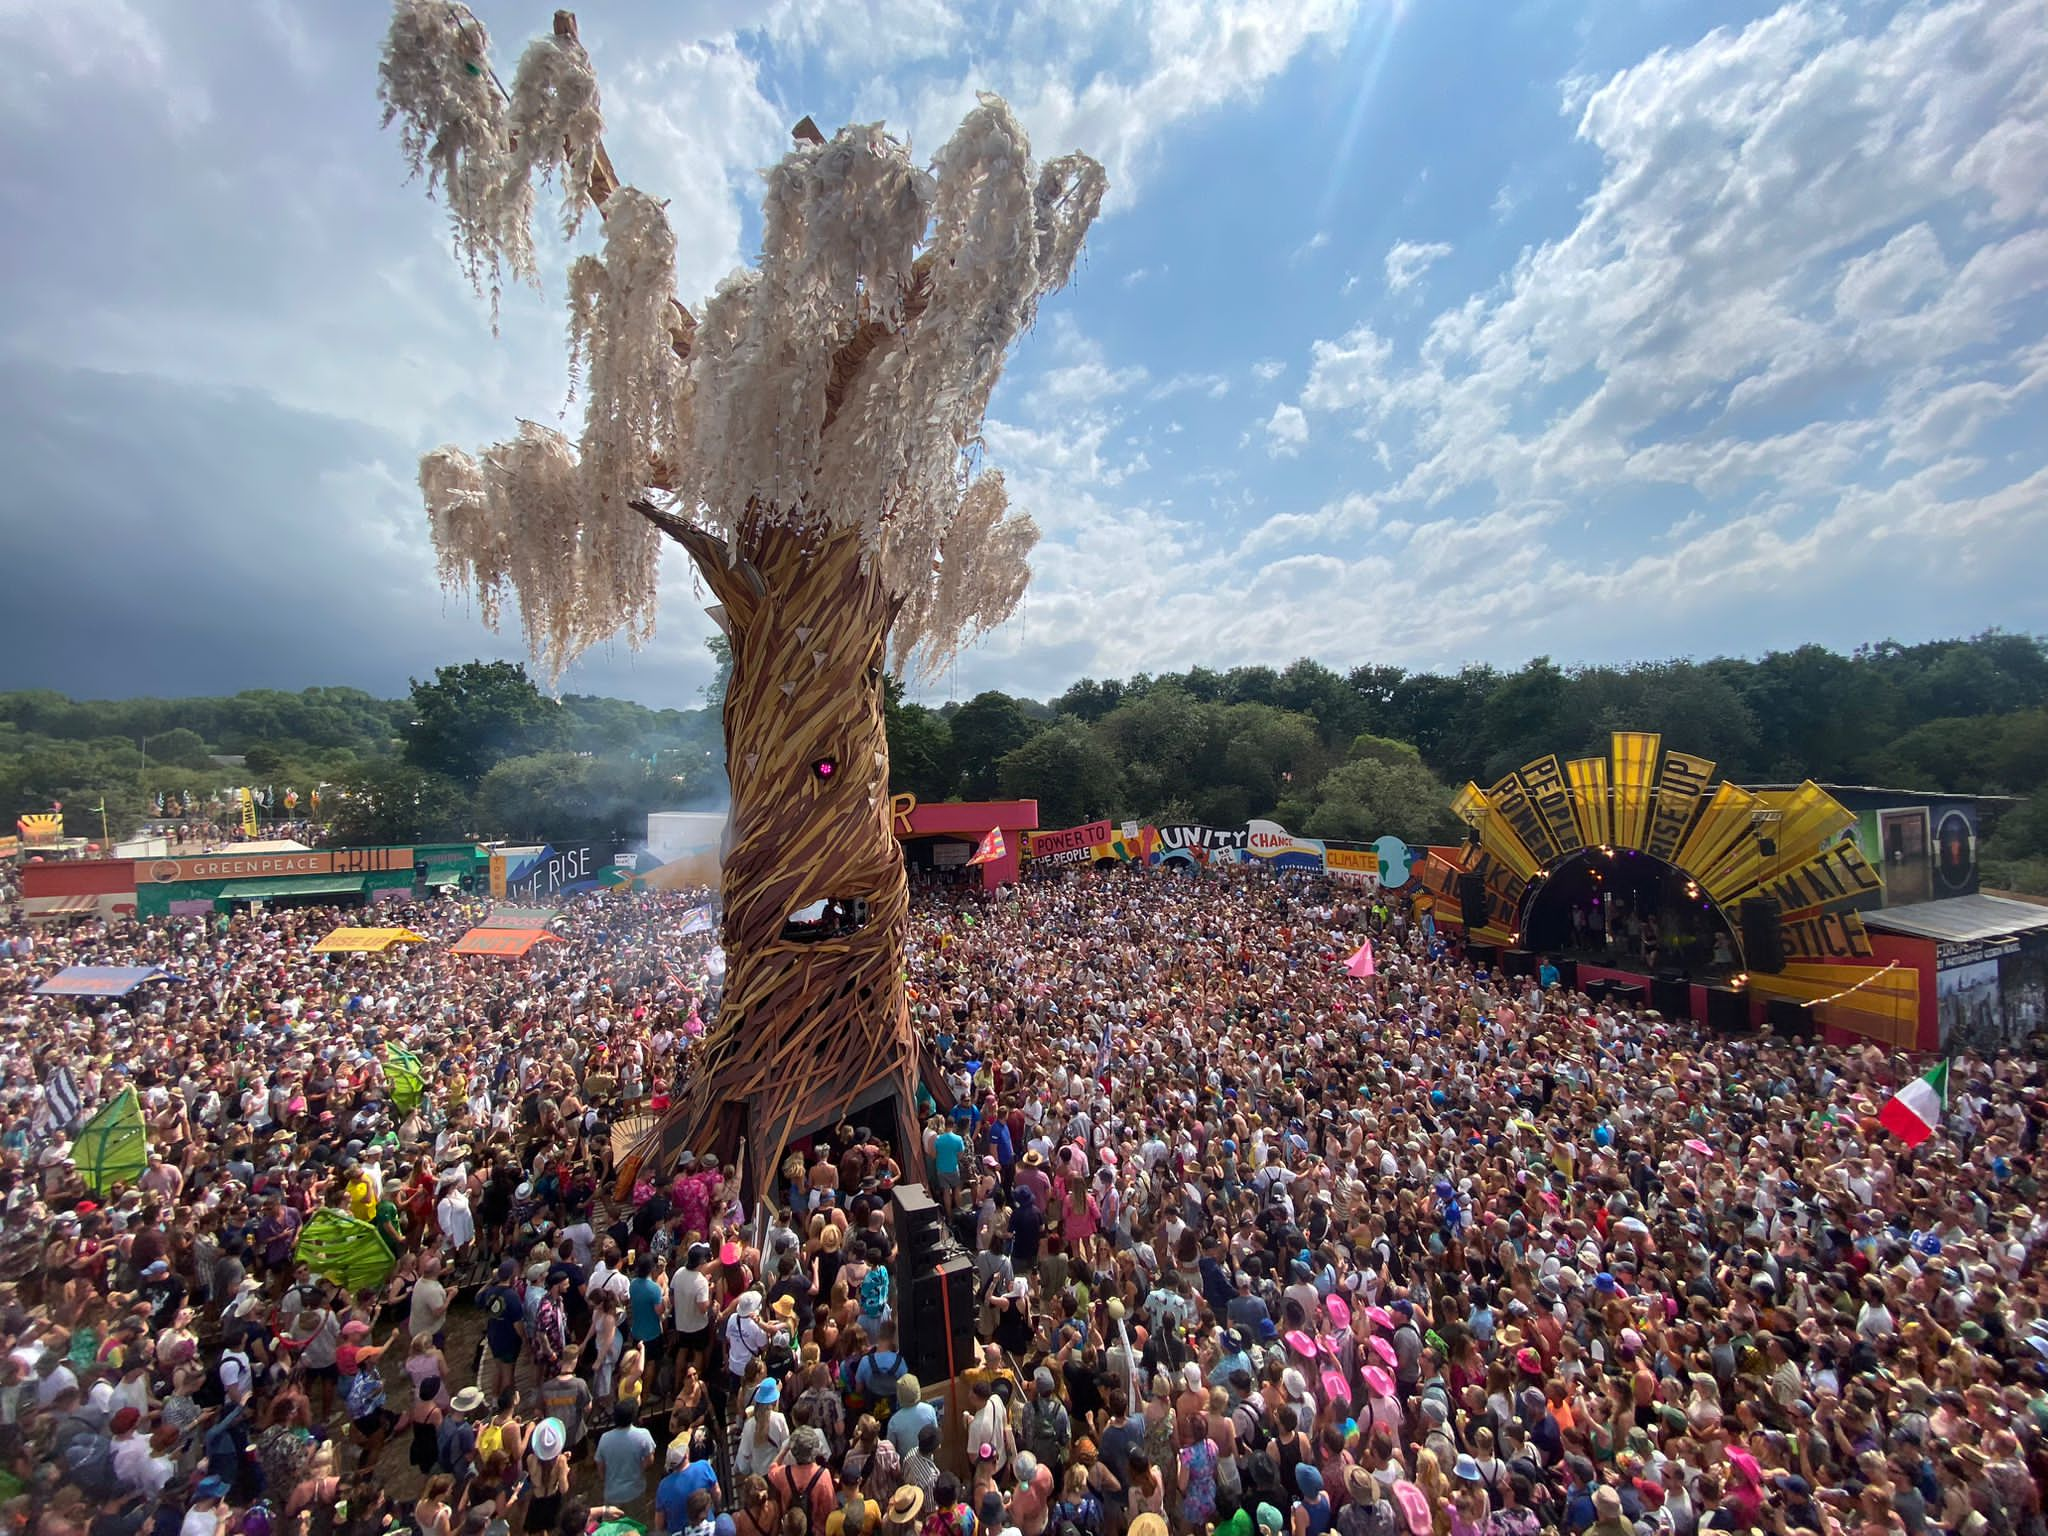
{"x":477,"y":714}
{"x":920,"y":746}
{"x":394,"y":803}
{"x":563,"y":797}
{"x":1067,"y":770}
{"x":721,"y":676}
{"x":1366,"y":799}
{"x":986,"y":729}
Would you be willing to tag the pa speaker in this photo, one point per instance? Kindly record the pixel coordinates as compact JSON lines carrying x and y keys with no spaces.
{"x":1472,"y":902}
{"x":1789,"y":1018}
{"x":1517,"y":962}
{"x":1763,"y":946}
{"x":923,"y":1238}
{"x":1567,"y":974}
{"x":1727,"y":1010}
{"x":936,"y":1329}
{"x":1671,"y":997}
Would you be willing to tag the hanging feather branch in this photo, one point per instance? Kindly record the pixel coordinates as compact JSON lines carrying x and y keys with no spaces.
{"x":840,"y":384}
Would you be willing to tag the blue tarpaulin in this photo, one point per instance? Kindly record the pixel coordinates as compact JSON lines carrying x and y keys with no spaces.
{"x":101,"y":980}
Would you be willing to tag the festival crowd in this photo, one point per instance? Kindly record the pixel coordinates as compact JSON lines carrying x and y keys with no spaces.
{"x":1260,"y":1248}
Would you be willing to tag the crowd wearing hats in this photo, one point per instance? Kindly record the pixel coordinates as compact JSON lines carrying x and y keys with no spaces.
{"x":1259,"y":1248}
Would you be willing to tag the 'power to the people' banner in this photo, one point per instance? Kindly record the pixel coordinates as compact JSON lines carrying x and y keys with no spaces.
{"x":1068,"y":839}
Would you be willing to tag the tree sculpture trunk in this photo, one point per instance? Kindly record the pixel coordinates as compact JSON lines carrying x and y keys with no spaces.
{"x":808,"y":1028}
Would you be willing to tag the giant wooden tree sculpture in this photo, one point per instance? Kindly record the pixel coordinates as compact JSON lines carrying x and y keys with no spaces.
{"x":809,"y":439}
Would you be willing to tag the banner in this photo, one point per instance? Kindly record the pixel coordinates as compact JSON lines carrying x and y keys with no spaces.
{"x":248,"y":799}
{"x":1356,"y":866}
{"x":1068,"y":839}
{"x":270,"y":866}
{"x":39,"y":829}
{"x":1271,"y":841}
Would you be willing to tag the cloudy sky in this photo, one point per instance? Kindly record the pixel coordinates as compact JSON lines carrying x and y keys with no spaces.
{"x":1412,"y":332}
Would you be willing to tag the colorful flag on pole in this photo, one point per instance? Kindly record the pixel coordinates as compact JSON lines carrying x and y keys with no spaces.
{"x":1360,"y":964}
{"x":407,"y":1076}
{"x":113,"y":1146}
{"x":698,"y":921}
{"x":338,"y":1247}
{"x":1913,"y":1113}
{"x":991,"y":849}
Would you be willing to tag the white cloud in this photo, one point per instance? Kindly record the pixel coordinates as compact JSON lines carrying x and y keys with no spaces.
{"x":850,"y":37}
{"x":692,"y":124}
{"x":1311,"y":245}
{"x":1214,"y":385}
{"x":1173,"y":61}
{"x":1080,"y":373}
{"x":1286,"y":431}
{"x":1408,"y":260}
{"x":1349,"y":373}
{"x":1267,"y":369}
{"x":46,"y":49}
{"x":1762,"y":240}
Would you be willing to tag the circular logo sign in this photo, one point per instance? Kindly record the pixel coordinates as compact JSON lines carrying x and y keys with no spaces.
{"x":163,"y":871}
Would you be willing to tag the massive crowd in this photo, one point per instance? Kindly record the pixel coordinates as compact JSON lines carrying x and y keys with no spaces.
{"x":1260,"y":1248}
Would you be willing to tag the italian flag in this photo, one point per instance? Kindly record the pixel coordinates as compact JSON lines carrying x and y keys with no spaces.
{"x":1915,"y":1110}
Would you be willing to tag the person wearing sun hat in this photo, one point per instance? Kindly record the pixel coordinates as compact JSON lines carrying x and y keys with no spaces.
{"x":906,"y":1508}
{"x":547,"y":1475}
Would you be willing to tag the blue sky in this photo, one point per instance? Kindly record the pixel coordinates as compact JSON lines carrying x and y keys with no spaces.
{"x":1420,"y":333}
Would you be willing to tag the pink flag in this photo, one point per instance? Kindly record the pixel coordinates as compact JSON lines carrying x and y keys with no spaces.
{"x":1360,"y":964}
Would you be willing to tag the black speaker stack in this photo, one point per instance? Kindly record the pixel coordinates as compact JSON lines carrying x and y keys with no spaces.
{"x":1790,"y":1019}
{"x":1472,"y":902}
{"x":934,"y":1288}
{"x":1671,"y":996}
{"x":1763,"y":946}
{"x":1727,"y":1010}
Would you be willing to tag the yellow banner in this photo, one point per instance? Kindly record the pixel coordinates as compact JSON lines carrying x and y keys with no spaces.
{"x":497,"y":877}
{"x":1543,"y":781}
{"x":1679,"y":788}
{"x":1351,"y":861}
{"x":1635,"y":769}
{"x":1588,"y":777}
{"x":46,"y":827}
{"x":1514,"y":805}
{"x":248,"y":798}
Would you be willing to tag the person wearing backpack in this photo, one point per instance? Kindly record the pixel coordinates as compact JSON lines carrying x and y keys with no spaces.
{"x":83,"y":1449}
{"x":1047,"y":1430}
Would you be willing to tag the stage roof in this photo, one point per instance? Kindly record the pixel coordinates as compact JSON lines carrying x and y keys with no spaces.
{"x":1960,"y":919}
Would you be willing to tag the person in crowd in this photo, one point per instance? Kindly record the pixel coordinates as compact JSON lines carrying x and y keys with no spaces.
{"x":1258,"y":1247}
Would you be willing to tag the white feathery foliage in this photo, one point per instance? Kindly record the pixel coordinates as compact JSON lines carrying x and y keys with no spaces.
{"x":839,"y":385}
{"x":556,"y":123}
{"x":618,"y":324}
{"x":519,"y":518}
{"x":480,"y":152}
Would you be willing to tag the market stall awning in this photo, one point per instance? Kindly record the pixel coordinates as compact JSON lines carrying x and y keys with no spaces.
{"x":67,"y":906}
{"x":502,"y":941}
{"x":293,"y":885}
{"x":101,"y":980}
{"x":366,"y":941}
{"x":519,"y":917}
{"x":446,"y":875}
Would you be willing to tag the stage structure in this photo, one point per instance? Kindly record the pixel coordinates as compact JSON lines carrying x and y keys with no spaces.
{"x":811,"y":438}
{"x":1778,"y":868}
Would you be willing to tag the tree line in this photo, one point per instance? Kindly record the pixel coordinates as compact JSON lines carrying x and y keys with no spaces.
{"x":479,"y":751}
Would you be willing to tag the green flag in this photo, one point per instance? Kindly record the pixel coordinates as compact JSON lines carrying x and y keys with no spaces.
{"x":351,"y":1253}
{"x":113,"y":1146}
{"x":406,"y":1075}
